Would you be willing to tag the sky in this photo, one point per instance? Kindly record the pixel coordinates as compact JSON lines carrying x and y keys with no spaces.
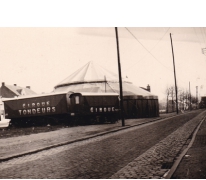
{"x":43,"y":57}
{"x":43,"y":42}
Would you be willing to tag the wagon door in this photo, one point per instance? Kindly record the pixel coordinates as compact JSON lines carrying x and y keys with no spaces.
{"x":76,"y":103}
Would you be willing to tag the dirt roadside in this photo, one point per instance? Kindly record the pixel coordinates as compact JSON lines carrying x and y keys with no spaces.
{"x":7,"y":132}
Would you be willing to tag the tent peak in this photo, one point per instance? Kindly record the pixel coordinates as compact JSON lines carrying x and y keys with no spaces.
{"x":90,"y":72}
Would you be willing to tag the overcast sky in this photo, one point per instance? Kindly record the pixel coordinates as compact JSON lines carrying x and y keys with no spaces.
{"x":43,"y":57}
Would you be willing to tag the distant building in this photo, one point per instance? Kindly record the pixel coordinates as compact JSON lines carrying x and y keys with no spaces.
{"x":182,"y":105}
{"x":147,"y":89}
{"x":10,"y":91}
{"x":171,"y":106}
{"x":202,"y":103}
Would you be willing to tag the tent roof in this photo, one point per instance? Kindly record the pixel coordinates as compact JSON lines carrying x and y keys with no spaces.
{"x":108,"y":87}
{"x":91,"y":78}
{"x":90,"y":72}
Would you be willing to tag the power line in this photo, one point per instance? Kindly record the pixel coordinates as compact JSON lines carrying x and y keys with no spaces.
{"x":146,"y":48}
{"x":152,"y":54}
{"x":203,"y":35}
{"x":203,"y":49}
{"x":150,"y":50}
{"x":197,"y":37}
{"x":203,"y":30}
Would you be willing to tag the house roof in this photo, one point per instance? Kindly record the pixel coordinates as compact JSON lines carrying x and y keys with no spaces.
{"x":20,"y":90}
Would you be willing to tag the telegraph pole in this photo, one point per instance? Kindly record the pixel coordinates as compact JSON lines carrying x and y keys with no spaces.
{"x":120,"y":78}
{"x":105,"y":82}
{"x":189,"y":96}
{"x":174,"y":75}
{"x":196,"y":96}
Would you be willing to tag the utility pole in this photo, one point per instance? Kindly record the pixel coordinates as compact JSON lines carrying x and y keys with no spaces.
{"x":196,"y":96}
{"x":186,"y":98}
{"x":183,"y":101}
{"x":174,"y":75}
{"x":120,"y":78}
{"x":172,"y":90}
{"x":190,"y":96}
{"x":105,"y":82}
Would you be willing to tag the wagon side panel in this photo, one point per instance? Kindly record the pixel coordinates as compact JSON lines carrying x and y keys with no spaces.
{"x":36,"y":106}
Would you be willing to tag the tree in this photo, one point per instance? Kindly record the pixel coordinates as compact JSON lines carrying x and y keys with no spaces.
{"x":167,"y":91}
{"x":183,"y":99}
{"x":170,"y":96}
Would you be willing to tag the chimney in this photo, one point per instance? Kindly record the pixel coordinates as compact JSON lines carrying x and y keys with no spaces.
{"x":14,"y":84}
{"x":28,"y":87}
{"x":3,"y":83}
{"x":148,"y":88}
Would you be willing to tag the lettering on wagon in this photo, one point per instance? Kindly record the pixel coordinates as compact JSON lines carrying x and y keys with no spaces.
{"x":102,"y":109}
{"x":37,"y":108}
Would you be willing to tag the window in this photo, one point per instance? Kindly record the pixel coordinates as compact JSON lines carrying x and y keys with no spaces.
{"x":76,"y":99}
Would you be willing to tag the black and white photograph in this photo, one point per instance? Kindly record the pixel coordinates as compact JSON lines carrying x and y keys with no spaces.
{"x":102,"y":89}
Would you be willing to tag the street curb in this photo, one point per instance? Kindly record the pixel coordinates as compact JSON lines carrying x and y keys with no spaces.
{"x":169,"y":174}
{"x":81,"y":139}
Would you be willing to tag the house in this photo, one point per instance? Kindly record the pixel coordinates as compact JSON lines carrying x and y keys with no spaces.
{"x":182,"y":105}
{"x":147,"y":89}
{"x":10,"y":91}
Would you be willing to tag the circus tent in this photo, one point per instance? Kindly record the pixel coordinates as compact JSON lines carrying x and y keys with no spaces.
{"x":95,"y":78}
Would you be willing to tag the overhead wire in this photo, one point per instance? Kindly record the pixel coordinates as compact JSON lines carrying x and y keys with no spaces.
{"x":149,"y":50}
{"x":197,"y":37}
{"x":200,"y":40}
{"x":202,"y":35}
{"x":204,"y":31}
{"x":204,"y":49}
{"x":146,"y":48}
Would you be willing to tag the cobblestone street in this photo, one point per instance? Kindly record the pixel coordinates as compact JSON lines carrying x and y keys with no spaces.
{"x":138,"y":152}
{"x":193,"y":164}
